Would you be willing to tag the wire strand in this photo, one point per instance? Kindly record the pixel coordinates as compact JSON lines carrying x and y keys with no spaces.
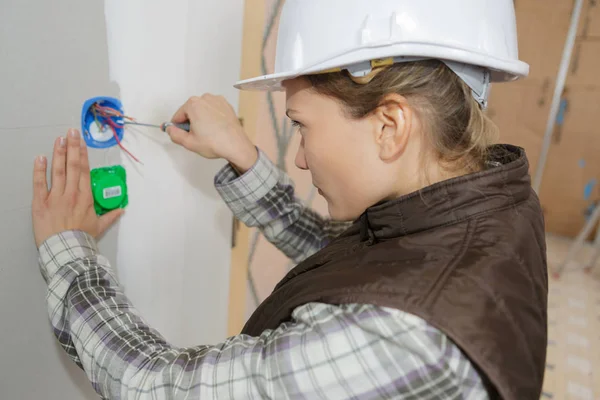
{"x":105,"y":116}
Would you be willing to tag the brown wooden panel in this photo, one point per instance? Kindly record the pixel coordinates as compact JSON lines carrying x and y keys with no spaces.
{"x":542,"y":28}
{"x":520,"y":110}
{"x":254,"y":20}
{"x":585,"y":65}
{"x":589,"y":26}
{"x":573,"y":163}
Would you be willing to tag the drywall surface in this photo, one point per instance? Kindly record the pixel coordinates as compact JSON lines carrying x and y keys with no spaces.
{"x":171,"y":250}
{"x":54,"y":56}
{"x":175,"y":239}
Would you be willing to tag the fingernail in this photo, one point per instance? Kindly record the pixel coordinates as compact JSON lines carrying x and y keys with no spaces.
{"x":41,"y":160}
{"x":73,"y":133}
{"x":62,"y":142}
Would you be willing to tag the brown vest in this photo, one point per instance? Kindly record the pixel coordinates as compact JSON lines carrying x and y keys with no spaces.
{"x":467,"y":255}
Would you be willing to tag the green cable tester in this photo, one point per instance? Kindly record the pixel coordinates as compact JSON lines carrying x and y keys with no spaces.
{"x":109,"y":187}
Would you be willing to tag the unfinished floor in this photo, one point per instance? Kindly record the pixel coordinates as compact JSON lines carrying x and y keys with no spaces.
{"x":573,"y":361}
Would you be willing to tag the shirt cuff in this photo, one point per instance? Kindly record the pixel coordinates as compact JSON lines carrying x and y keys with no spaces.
{"x":242,"y":192}
{"x":62,"y":249}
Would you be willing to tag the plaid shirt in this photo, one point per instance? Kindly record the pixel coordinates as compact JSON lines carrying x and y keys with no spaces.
{"x":325,"y":352}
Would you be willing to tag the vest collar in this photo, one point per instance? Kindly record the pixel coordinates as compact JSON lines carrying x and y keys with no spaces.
{"x":504,"y":184}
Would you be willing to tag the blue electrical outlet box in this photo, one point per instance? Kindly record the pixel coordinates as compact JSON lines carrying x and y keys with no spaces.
{"x":103,"y":136}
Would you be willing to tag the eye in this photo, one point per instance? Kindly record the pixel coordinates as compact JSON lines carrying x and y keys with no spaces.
{"x":296,"y":124}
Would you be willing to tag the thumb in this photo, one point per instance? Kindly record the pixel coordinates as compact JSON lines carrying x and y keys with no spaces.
{"x":177,"y":135}
{"x":107,"y":220}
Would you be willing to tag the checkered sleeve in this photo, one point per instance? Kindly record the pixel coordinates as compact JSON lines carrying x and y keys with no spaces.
{"x":264,"y":197}
{"x":324,"y":352}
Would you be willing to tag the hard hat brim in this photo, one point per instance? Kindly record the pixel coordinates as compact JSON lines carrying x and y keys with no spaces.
{"x":268,"y":83}
{"x":501,"y":70}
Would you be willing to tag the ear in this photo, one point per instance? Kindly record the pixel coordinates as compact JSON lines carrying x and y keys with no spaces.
{"x":393,"y":123}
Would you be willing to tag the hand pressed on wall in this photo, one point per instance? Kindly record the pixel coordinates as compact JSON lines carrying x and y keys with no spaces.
{"x":69,"y":204}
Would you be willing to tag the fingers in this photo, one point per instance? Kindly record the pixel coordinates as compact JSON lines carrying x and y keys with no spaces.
{"x":40,"y":184}
{"x":59,"y":160}
{"x":181,"y":115}
{"x":184,"y":114}
{"x":85,"y":180}
{"x":107,"y":220}
{"x":73,"y":161}
{"x":177,"y":135}
{"x":226,"y":104}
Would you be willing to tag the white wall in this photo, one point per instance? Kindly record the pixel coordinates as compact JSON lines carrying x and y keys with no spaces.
{"x":53,"y":56}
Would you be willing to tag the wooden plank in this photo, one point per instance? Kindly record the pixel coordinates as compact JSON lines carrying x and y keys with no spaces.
{"x":520,"y":110}
{"x":254,"y":20}
{"x":569,"y":187}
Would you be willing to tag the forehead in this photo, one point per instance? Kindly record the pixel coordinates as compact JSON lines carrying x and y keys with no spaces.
{"x":300,"y":97}
{"x":296,"y":87}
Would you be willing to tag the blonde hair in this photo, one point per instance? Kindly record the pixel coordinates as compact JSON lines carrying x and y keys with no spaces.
{"x":457,"y":128}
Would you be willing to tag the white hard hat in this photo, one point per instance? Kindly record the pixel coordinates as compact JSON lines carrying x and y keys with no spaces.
{"x":477,"y":39}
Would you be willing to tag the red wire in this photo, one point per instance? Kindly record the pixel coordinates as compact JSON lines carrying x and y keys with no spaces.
{"x":114,"y":127}
{"x":108,"y":113}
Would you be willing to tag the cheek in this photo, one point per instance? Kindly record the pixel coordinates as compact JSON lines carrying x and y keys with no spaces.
{"x":336,"y":154}
{"x":322,"y":157}
{"x":335,"y":172}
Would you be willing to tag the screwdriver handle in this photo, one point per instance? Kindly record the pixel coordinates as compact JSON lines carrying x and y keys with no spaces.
{"x":185,"y":126}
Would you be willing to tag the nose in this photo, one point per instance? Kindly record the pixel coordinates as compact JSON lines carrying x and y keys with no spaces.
{"x":300,"y":157}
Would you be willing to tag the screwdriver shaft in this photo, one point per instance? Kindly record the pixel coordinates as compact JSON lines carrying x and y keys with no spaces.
{"x":185,"y":126}
{"x":140,"y":124}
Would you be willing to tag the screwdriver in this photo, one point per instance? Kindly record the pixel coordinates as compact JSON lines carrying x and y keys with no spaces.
{"x":163,"y":127}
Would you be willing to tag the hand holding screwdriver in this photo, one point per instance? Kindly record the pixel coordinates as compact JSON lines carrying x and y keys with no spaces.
{"x":214,"y":131}
{"x":184,"y":126}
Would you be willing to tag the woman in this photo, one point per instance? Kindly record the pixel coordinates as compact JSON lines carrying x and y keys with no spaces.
{"x":432,"y":284}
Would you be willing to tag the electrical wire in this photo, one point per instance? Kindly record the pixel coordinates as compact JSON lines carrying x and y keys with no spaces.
{"x":114,"y":119}
{"x":114,"y":127}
